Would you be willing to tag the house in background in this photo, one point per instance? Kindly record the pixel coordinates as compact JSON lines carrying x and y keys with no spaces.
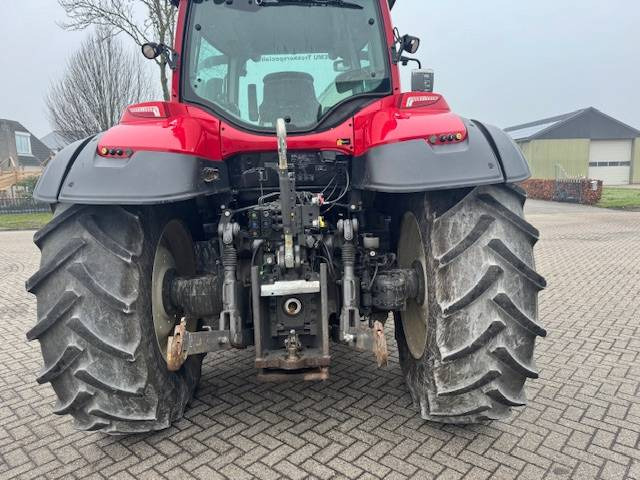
{"x":20,"y":150}
{"x":586,"y":143}
{"x":55,"y":141}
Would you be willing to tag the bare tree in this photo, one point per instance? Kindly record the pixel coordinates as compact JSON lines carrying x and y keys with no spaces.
{"x":101,"y":80}
{"x":120,"y":16}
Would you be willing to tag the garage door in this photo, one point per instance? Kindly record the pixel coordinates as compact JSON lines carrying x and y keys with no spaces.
{"x":610,"y":161}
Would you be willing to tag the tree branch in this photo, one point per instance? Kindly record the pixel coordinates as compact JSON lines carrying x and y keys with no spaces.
{"x":101,"y":80}
{"x":119,"y":17}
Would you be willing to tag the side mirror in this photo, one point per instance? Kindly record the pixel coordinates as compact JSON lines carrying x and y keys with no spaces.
{"x":410,"y":44}
{"x":406,"y":43}
{"x":154,"y":50}
{"x":151,"y":50}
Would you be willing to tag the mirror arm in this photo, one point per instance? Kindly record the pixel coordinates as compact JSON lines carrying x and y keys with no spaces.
{"x":396,"y":53}
{"x":170,"y":55}
{"x":406,"y":60}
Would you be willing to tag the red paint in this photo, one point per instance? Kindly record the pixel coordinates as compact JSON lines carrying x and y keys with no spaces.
{"x":187,"y":130}
{"x":384,"y":122}
{"x":191,"y":130}
{"x":235,"y":140}
{"x":388,"y":28}
{"x":178,"y":47}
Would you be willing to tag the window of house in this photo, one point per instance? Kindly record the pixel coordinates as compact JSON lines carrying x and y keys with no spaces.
{"x":23,"y":143}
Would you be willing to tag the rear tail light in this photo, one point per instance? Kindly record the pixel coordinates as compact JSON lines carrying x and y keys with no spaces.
{"x":149,"y":110}
{"x":117,"y":152}
{"x":444,"y":138}
{"x":417,"y":100}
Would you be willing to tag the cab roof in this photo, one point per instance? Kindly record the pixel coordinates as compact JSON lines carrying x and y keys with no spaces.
{"x":391,"y":3}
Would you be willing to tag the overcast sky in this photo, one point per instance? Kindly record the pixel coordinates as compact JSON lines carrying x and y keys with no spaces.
{"x":501,"y":61}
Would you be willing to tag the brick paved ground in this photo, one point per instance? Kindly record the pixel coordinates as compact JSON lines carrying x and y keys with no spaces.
{"x":582,"y":421}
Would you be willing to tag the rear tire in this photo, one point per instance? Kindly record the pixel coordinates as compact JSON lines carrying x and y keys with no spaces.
{"x":480,"y":307}
{"x":95,"y":325}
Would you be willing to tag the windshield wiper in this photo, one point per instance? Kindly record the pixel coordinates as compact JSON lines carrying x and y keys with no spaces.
{"x":309,"y":3}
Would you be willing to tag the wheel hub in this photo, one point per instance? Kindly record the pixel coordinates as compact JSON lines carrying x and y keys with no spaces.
{"x":174,"y":255}
{"x":411,"y":254}
{"x":163,"y":322}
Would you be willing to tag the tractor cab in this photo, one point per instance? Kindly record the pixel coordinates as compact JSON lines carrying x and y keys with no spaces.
{"x":312,"y":63}
{"x":253,"y":63}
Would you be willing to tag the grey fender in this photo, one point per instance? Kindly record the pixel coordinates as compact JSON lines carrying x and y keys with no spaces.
{"x":48,"y":187}
{"x":81,"y":176}
{"x":514,"y":165}
{"x":488,"y":156}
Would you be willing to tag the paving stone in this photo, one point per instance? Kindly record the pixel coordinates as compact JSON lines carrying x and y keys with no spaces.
{"x":317,"y":469}
{"x":582,"y":421}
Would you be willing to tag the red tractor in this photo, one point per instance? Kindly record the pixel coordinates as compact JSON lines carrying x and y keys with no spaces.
{"x":288,"y":195}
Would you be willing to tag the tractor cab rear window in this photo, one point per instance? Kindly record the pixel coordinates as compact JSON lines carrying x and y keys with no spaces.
{"x":253,"y":64}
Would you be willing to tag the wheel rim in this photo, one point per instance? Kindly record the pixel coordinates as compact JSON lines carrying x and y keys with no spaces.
{"x":173,"y":253}
{"x":415,"y":319}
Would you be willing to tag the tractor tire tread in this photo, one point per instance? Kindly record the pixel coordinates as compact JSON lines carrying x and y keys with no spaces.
{"x":103,"y":366}
{"x":55,"y":314}
{"x":101,"y":237}
{"x":86,"y":278}
{"x":59,"y":365}
{"x":483,"y":322}
{"x":478,"y":231}
{"x":54,"y":264}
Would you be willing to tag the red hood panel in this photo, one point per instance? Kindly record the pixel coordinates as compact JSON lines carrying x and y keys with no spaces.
{"x":236,"y":141}
{"x":187,"y":130}
{"x":384,"y":123}
{"x":192,"y":131}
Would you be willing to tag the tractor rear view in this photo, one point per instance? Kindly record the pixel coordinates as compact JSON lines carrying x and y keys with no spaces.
{"x":289,"y":196}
